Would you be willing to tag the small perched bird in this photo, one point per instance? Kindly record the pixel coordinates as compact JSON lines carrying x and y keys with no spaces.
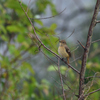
{"x":63,"y":50}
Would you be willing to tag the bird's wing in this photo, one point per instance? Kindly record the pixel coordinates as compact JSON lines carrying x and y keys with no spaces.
{"x":68,"y":51}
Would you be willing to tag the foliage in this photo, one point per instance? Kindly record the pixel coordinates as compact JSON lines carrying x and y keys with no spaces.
{"x":17,"y":77}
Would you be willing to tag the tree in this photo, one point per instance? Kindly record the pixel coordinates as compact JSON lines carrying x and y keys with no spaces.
{"x":20,"y":39}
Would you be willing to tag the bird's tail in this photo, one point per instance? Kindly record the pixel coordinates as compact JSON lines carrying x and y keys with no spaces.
{"x":68,"y":61}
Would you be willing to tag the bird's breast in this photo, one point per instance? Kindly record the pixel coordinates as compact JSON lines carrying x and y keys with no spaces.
{"x":62,"y":52}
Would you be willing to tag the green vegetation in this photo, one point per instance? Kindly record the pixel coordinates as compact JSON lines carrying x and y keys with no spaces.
{"x":17,"y":77}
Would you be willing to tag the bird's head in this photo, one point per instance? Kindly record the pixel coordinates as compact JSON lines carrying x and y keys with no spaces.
{"x":62,"y":41}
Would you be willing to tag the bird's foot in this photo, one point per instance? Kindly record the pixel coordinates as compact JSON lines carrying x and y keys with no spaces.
{"x":62,"y":58}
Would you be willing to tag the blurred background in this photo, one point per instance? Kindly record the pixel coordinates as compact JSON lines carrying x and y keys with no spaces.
{"x":27,"y":73}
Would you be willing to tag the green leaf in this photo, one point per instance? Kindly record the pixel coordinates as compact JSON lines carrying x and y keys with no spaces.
{"x":95,"y":45}
{"x":5,"y":62}
{"x":53,"y":26}
{"x":52,"y":68}
{"x":12,"y":28}
{"x":29,"y":67}
{"x":53,"y":9}
{"x":3,"y":29}
{"x":5,"y":38}
{"x":39,"y":22}
{"x":20,"y":38}
{"x":12,"y":49}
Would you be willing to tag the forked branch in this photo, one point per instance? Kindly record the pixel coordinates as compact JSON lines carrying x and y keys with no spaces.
{"x":86,"y":51}
{"x":42,"y":42}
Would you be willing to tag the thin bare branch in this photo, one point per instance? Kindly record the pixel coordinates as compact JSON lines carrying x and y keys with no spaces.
{"x":96,"y":41}
{"x":28,"y":5}
{"x":17,"y":57}
{"x":86,"y":51}
{"x":48,"y":57}
{"x":64,"y":98}
{"x":71,"y":34}
{"x":98,"y":21}
{"x":91,"y":92}
{"x":58,"y":93}
{"x":50,"y":60}
{"x":95,"y":52}
{"x":67,"y":37}
{"x":43,"y":44}
{"x":75,"y":49}
{"x":70,"y":88}
{"x":56,"y":81}
{"x":76,"y":59}
{"x":48,"y":38}
{"x":81,"y":44}
{"x":51,"y":43}
{"x":92,"y":77}
{"x":91,"y":83}
{"x":21,"y":1}
{"x":48,"y":17}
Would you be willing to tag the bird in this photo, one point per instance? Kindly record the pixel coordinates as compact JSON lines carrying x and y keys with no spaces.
{"x":63,"y":50}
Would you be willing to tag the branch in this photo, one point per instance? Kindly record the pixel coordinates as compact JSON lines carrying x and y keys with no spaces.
{"x":91,"y":83}
{"x":96,"y":41}
{"x":48,"y":57}
{"x":48,"y":17}
{"x":86,"y":51}
{"x":43,"y":44}
{"x":70,"y":34}
{"x":91,"y":93}
{"x":76,"y":59}
{"x":98,"y":21}
{"x":95,"y":52}
{"x":64,"y":98}
{"x":21,"y":53}
{"x":81,"y":44}
{"x":48,"y":38}
{"x":75,"y":49}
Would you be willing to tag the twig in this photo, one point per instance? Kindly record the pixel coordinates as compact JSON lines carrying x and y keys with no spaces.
{"x":48,"y":57}
{"x":48,"y":38}
{"x":96,"y":41}
{"x":48,"y":17}
{"x":21,"y":53}
{"x":95,"y":52}
{"x":56,"y":81}
{"x":81,"y":44}
{"x":51,"y":43}
{"x":98,"y":21}
{"x":58,"y":93}
{"x":91,"y":92}
{"x":67,"y":37}
{"x":76,"y":59}
{"x":50,"y":60}
{"x":92,"y":77}
{"x":28,"y":5}
{"x":91,"y":83}
{"x":70,"y":88}
{"x":86,"y":51}
{"x":71,"y":34}
{"x":75,"y":49}
{"x":64,"y":98}
{"x":43,"y":44}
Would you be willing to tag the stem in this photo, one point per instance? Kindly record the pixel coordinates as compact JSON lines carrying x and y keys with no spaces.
{"x":86,"y":51}
{"x":92,"y":92}
{"x":64,"y":98}
{"x":43,"y":44}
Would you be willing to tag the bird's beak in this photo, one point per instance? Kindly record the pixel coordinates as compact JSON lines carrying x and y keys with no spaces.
{"x":60,"y":41}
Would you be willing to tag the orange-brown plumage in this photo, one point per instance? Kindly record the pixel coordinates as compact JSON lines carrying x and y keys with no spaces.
{"x":63,"y":50}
